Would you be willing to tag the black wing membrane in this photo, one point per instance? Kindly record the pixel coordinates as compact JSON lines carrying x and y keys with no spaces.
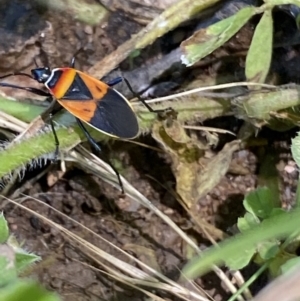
{"x":115,"y":116}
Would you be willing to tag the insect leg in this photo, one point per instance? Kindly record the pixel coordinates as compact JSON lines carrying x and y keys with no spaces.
{"x":140,"y":98}
{"x":162,"y":113}
{"x":114,"y":81}
{"x":119,"y":79}
{"x":72,"y":64}
{"x":55,"y":137}
{"x":53,"y":108}
{"x":99,"y":152}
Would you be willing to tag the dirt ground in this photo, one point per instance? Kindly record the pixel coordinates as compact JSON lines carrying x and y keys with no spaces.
{"x":96,"y":205}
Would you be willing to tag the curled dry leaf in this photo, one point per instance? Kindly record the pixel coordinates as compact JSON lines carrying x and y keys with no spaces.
{"x":185,"y":153}
{"x":193,"y":181}
{"x":216,"y":168}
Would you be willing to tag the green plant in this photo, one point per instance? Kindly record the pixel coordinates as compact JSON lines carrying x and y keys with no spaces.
{"x":268,"y":235}
{"x":13,"y":261}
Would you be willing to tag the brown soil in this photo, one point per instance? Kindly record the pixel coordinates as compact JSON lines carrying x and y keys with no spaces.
{"x":97,"y":206}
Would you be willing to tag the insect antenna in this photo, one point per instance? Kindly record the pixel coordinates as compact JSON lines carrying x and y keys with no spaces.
{"x":15,"y":74}
{"x":29,"y":89}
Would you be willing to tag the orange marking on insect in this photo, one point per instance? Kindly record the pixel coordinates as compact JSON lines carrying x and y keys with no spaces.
{"x":64,"y":83}
{"x":97,"y":88}
{"x":84,"y":110}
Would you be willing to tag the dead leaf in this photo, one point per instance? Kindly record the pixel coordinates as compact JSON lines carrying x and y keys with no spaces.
{"x":193,"y":180}
{"x":216,"y":169}
{"x":185,"y":153}
{"x":144,"y":254}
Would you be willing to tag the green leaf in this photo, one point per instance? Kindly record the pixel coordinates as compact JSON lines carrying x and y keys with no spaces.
{"x":247,"y":222}
{"x":7,"y":266}
{"x":206,"y":40}
{"x":283,"y":2}
{"x":275,"y":227}
{"x":135,"y":53}
{"x":298,"y":194}
{"x":89,"y":13}
{"x":268,"y":176}
{"x":277,"y":211}
{"x":4,"y":231}
{"x":268,"y":249}
{"x":296,"y":149}
{"x":290,"y":265}
{"x":259,"y":202}
{"x":282,"y":262}
{"x":23,"y":260}
{"x":26,"y":291}
{"x":259,"y":56}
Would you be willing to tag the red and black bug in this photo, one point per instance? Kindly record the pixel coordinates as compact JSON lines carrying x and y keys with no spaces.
{"x":89,"y":100}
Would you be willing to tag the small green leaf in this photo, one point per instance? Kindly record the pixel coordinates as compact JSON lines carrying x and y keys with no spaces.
{"x":26,"y":291}
{"x":23,"y":260}
{"x":268,"y":176}
{"x":276,"y":211}
{"x":290,"y":265}
{"x":283,"y":2}
{"x":296,"y":149}
{"x":298,"y":194}
{"x":298,"y":21}
{"x":259,"y":56}
{"x":247,"y":222}
{"x":4,"y":231}
{"x":281,"y":260}
{"x":268,"y":249}
{"x":135,"y":53}
{"x":259,"y":202}
{"x":89,"y":13}
{"x":7,"y":266}
{"x":206,"y":40}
